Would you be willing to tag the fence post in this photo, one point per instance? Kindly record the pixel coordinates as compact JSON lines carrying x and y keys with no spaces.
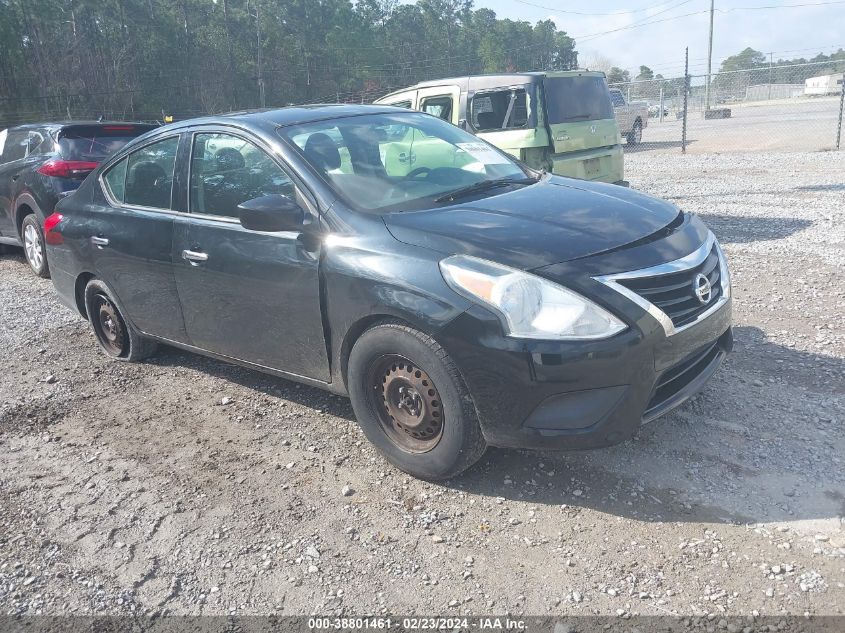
{"x":841,"y":105}
{"x":686,"y":103}
{"x":661,"y":103}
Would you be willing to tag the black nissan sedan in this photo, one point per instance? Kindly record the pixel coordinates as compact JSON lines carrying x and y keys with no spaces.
{"x":458,"y":298}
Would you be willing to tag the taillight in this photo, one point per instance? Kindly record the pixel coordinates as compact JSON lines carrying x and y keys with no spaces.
{"x":51,"y":233}
{"x":67,"y":168}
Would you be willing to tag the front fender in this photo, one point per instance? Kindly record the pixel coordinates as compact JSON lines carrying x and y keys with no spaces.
{"x":366,"y":283}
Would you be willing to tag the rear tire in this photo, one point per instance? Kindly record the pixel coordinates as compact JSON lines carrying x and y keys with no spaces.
{"x":635,"y":136}
{"x":32,"y":237}
{"x":412,"y":403}
{"x":115,"y":335}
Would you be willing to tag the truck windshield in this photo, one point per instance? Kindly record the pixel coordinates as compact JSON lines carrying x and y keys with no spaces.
{"x":571,"y":99}
{"x":398,"y":162}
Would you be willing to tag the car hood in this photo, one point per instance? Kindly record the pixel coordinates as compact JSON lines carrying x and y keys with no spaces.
{"x":556,"y":220}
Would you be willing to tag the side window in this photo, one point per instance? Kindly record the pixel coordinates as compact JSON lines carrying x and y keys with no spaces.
{"x":401,"y":104}
{"x":116,"y":180}
{"x":438,"y":106}
{"x":16,"y":145}
{"x":149,"y":175}
{"x":617,"y":98}
{"x":227,"y":170}
{"x":499,"y":110}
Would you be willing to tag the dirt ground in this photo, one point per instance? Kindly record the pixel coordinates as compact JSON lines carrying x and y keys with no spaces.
{"x":132,"y":488}
{"x":808,"y":124}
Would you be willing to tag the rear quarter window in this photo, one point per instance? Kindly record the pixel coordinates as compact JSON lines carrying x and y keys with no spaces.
{"x":499,"y":110}
{"x":115,"y":179}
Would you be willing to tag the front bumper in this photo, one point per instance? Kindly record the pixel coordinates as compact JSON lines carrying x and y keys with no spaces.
{"x":577,"y":395}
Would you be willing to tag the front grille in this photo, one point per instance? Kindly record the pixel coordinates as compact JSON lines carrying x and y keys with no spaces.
{"x":674,"y":293}
{"x":674,"y":379}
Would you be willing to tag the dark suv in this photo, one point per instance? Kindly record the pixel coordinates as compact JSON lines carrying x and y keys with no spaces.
{"x":40,"y":163}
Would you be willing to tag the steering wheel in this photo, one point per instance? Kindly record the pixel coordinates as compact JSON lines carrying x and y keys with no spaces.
{"x":417,"y":172}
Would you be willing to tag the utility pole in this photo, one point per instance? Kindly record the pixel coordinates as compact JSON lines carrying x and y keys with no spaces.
{"x":709,"y":59}
{"x":258,"y":36}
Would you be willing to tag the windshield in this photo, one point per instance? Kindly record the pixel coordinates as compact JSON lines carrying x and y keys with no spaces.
{"x":570,"y":99}
{"x":394,"y":162}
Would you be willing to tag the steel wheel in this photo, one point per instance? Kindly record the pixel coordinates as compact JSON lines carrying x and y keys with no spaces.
{"x":33,"y":247}
{"x":108,"y":326}
{"x":407,"y":403}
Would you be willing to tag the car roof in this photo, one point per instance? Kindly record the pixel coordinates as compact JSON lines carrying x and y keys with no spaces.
{"x":291,"y":115}
{"x":63,"y":124}
{"x":495,"y":80}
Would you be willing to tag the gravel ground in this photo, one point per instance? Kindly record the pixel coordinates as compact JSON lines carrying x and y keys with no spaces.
{"x":135,"y":489}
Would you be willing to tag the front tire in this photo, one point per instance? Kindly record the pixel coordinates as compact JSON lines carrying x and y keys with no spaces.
{"x":116,"y":336}
{"x":412,"y":403}
{"x":32,"y":237}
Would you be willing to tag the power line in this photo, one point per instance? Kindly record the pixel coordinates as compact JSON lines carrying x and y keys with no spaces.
{"x":583,"y":13}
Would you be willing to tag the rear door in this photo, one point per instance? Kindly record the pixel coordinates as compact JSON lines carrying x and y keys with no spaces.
{"x":130,"y":235}
{"x":245,"y":294}
{"x":579,"y":112}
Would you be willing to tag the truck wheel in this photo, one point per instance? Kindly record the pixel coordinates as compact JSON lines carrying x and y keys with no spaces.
{"x":116,"y":336}
{"x":412,"y":403}
{"x":635,"y":136}
{"x":33,"y":246}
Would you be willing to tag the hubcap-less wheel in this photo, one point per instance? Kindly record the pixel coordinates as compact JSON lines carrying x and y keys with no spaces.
{"x":33,"y":247}
{"x":407,"y":404}
{"x":108,"y":325}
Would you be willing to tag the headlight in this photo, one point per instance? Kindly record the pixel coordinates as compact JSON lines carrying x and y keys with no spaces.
{"x":531,"y":307}
{"x":724,"y":271}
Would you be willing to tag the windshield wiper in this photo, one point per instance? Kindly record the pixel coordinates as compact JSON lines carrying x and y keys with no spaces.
{"x":484,"y":185}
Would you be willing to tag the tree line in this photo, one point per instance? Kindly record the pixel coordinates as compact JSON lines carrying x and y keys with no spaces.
{"x":143,"y":59}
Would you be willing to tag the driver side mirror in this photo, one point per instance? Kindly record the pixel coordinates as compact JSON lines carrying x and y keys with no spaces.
{"x":271,"y":213}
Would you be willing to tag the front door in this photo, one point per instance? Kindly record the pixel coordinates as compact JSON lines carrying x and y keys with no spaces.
{"x":442,"y":102}
{"x":247,"y":295}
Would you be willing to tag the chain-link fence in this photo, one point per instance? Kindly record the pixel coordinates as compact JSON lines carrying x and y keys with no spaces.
{"x":796,"y":107}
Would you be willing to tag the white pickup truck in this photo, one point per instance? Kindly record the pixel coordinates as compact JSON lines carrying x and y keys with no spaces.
{"x":631,"y":117}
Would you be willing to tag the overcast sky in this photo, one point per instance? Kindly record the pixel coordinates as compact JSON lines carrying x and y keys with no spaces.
{"x":788,"y":32}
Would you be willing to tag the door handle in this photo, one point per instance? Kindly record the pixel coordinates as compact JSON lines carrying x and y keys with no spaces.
{"x":15,"y":177}
{"x":96,"y":240}
{"x":194,"y":256}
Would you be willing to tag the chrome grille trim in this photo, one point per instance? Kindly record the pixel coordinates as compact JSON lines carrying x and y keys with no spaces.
{"x":688,"y":262}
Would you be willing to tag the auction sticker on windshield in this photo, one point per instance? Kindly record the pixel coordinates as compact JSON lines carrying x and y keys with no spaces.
{"x":484,"y":153}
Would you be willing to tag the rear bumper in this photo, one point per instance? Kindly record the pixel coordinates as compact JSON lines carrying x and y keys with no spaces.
{"x":63,"y":281}
{"x":579,"y":395}
{"x":605,"y":164}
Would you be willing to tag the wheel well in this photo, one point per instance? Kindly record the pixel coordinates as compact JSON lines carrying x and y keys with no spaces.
{"x":79,"y":292}
{"x":23,"y":211}
{"x":355,"y":332}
